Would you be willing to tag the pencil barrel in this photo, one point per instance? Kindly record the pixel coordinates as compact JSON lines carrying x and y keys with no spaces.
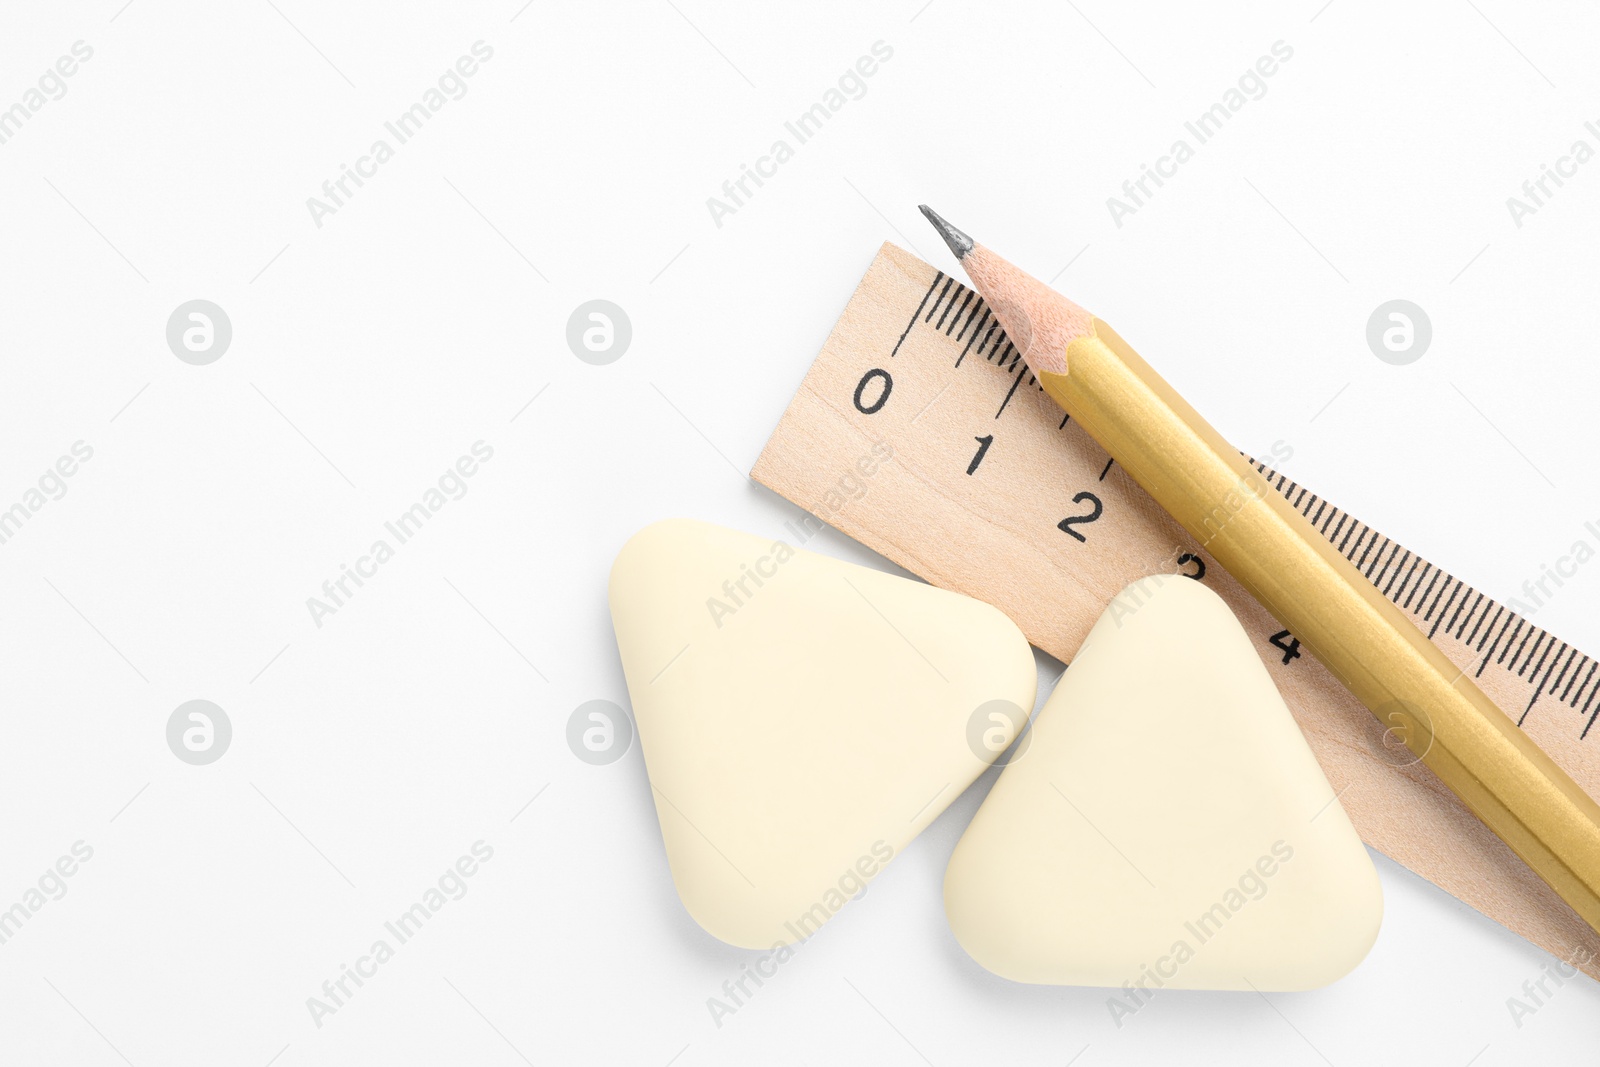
{"x":1361,"y":637}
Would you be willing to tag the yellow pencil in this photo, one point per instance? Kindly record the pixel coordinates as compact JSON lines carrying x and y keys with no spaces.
{"x":1275,"y":553}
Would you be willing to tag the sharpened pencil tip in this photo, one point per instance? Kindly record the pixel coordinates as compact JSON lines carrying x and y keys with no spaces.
{"x":959,"y":243}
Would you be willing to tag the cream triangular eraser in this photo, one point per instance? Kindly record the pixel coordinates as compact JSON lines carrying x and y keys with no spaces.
{"x":1167,"y":824}
{"x":802,"y":719}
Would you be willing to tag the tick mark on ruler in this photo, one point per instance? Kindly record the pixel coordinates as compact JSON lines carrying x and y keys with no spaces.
{"x":970,"y":316}
{"x":1021,"y":373}
{"x":957,"y":318}
{"x":974,"y":337}
{"x":1576,"y":674}
{"x":948,"y":282}
{"x":931,"y":286}
{"x":1521,"y":622}
{"x":1550,"y":685}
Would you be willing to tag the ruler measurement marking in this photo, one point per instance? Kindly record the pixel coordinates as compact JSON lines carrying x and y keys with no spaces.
{"x":1592,"y":694}
{"x":1567,"y":692}
{"x":990,"y":341}
{"x":1537,"y":641}
{"x":1500,"y":610}
{"x":1543,"y":656}
{"x":956,"y":318}
{"x":988,"y":336}
{"x":973,"y":338}
{"x":1459,"y":585}
{"x":1521,"y":622}
{"x":959,"y":310}
{"x":931,"y":286}
{"x":1380,"y":567}
{"x":1376,"y":559}
{"x":1338,"y":525}
{"x":1576,"y":697}
{"x":1449,"y":580}
{"x":1416,"y":562}
{"x":1533,"y":679}
{"x":939,"y":299}
{"x":1387,"y":553}
{"x":1355,"y":545}
{"x":1584,"y":685}
{"x":1016,"y":380}
{"x":1481,"y":618}
{"x":1451,"y":625}
{"x":1361,"y":561}
{"x":1353,"y":524}
{"x":1586,"y":703}
{"x":1571,"y":659}
{"x":970,"y":317}
{"x":1418,"y":587}
{"x":1426,"y":609}
{"x":944,"y":313}
{"x":1396,"y":574}
{"x":1547,"y":650}
{"x":1587,"y":678}
{"x":1490,"y":654}
{"x":1425,"y":592}
{"x":1537,"y":636}
{"x":1538,"y":690}
{"x":1362,"y":536}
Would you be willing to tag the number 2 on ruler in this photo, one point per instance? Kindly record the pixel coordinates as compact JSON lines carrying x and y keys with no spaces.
{"x":1095,"y":508}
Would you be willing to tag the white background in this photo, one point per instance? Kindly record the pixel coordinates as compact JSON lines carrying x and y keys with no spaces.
{"x":369,"y":353}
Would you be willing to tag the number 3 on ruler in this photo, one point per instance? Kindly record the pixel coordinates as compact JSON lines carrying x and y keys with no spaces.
{"x":1095,"y":508}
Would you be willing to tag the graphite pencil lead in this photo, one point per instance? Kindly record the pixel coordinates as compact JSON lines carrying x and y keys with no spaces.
{"x":960,"y":244}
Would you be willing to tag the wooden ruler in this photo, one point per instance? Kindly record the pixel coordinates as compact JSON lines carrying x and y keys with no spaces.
{"x":991,"y":491}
